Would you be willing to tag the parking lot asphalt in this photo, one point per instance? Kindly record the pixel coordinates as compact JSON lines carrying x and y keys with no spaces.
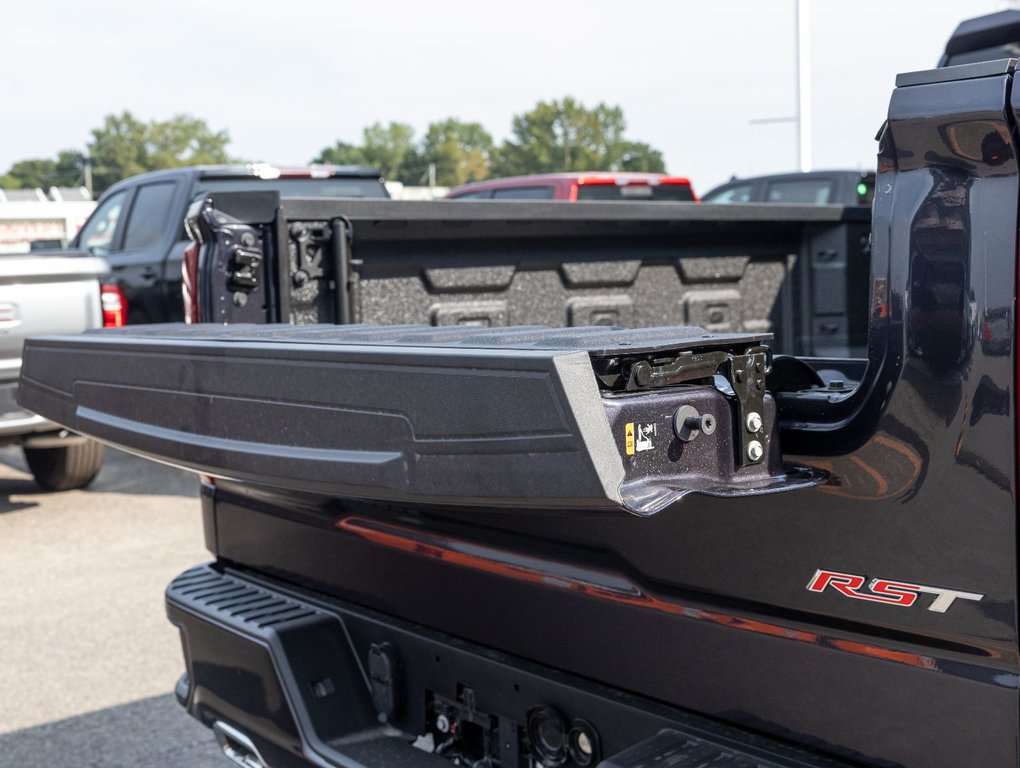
{"x":88,"y":659}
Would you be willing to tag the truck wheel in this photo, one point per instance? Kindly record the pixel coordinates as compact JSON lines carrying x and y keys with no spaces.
{"x":66,"y":467}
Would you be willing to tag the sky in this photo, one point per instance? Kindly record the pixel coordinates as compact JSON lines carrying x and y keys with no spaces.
{"x":287,"y":79}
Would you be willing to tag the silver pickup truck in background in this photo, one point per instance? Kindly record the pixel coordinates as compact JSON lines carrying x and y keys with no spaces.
{"x":50,"y":294}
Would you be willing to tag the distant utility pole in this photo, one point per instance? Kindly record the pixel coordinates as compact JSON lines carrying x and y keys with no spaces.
{"x":430,"y":174}
{"x":802,"y":85}
{"x":88,"y":175}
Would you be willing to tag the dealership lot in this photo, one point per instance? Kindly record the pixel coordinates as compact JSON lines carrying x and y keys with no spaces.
{"x":89,"y":659}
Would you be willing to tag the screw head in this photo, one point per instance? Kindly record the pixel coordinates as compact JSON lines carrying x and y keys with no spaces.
{"x":753,"y":421}
{"x":443,"y":723}
{"x":708,"y":423}
{"x":755,"y":450}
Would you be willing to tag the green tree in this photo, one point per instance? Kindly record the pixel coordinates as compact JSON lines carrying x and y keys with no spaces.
{"x":460,"y":152}
{"x":26,"y":174}
{"x":117,"y":150}
{"x":384,"y":147}
{"x":388,"y":147}
{"x":568,"y":136}
{"x":185,"y":140}
{"x":65,"y":171}
{"x":637,"y":156}
{"x":341,"y":153}
{"x":124,"y":146}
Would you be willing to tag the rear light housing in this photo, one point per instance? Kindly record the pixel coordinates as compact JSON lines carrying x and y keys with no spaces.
{"x":114,"y":305}
{"x":624,"y":181}
{"x":189,"y":284}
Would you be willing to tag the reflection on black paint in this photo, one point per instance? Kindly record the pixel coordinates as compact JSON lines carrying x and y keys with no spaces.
{"x":989,"y":398}
{"x":938,"y":328}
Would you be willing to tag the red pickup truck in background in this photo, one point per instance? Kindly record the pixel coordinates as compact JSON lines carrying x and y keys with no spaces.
{"x":598,"y":185}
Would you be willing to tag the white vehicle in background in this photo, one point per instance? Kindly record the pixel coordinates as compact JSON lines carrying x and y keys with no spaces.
{"x":40,"y":295}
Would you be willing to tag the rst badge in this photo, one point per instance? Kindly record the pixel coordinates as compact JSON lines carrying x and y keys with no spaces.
{"x":886,"y":591}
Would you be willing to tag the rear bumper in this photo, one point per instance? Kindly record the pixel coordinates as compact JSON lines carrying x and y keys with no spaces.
{"x":289,"y":678}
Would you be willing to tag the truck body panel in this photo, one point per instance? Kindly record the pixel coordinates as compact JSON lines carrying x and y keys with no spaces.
{"x":41,"y":295}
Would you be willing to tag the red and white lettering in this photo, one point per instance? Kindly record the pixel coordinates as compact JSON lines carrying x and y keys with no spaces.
{"x":843,"y":582}
{"x":894,"y":592}
{"x":886,"y":591}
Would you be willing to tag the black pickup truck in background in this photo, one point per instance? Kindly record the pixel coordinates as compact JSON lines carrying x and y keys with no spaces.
{"x":576,"y":547}
{"x":844,"y":187}
{"x":137,"y":226}
{"x":799,"y":272}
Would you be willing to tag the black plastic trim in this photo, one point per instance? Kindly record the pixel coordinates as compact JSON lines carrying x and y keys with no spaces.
{"x":341,"y":729}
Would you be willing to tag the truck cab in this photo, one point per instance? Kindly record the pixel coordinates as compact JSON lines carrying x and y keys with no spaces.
{"x":571,"y":187}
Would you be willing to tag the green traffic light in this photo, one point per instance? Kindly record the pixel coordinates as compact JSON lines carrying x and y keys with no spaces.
{"x":862,"y":189}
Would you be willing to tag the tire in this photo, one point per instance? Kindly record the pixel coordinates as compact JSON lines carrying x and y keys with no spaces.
{"x":66,"y":467}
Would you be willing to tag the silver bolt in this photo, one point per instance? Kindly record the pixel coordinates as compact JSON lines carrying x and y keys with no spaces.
{"x":753,"y":422}
{"x":584,"y":744}
{"x":755,"y":450}
{"x":443,"y":724}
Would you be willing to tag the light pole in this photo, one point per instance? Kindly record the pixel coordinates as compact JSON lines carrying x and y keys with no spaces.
{"x":88,"y":175}
{"x":803,"y":54}
{"x":802,"y":86}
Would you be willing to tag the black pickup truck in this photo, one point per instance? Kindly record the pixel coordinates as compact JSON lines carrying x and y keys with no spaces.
{"x":138,"y":224}
{"x":574,"y":547}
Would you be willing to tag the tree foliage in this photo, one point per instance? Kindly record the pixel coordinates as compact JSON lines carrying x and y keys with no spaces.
{"x":567,"y":136}
{"x":460,"y":152}
{"x":562,"y":135}
{"x":638,"y":156}
{"x":385,"y":147}
{"x":388,"y":147}
{"x":124,"y":146}
{"x":559,"y":135}
{"x":65,"y":171}
{"x":341,"y":153}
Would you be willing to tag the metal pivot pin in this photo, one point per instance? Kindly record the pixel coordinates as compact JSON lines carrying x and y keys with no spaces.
{"x":688,"y":423}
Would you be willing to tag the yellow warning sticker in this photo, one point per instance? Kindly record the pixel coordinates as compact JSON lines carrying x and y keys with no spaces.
{"x":629,"y":438}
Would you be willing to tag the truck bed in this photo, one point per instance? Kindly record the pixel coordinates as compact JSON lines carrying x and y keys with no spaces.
{"x":798,"y":272}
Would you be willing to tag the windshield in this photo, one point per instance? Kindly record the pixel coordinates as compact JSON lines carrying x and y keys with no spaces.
{"x":100,"y":231}
{"x":813,"y":191}
{"x":300,"y":187}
